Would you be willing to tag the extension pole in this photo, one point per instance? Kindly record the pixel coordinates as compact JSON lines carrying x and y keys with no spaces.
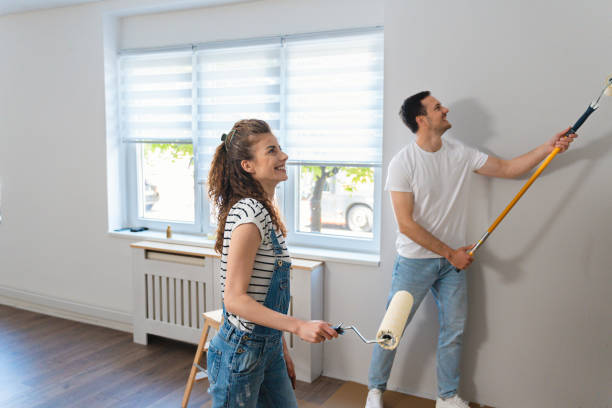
{"x":592,"y":108}
{"x":515,"y":199}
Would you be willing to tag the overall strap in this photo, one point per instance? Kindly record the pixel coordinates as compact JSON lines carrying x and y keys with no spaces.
{"x":278,"y":250}
{"x":278,"y":296}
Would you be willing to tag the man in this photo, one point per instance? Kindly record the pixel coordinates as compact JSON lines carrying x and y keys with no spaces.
{"x":428,"y":182}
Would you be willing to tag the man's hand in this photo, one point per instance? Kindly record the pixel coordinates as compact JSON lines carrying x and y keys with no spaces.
{"x":561,"y":140}
{"x":460,"y":258}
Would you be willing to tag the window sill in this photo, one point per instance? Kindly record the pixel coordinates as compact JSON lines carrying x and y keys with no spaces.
{"x":315,"y":254}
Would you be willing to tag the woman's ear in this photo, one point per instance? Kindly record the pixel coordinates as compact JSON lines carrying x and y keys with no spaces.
{"x":247,"y":166}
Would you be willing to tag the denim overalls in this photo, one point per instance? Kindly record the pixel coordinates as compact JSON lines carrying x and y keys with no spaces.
{"x":248,"y":369}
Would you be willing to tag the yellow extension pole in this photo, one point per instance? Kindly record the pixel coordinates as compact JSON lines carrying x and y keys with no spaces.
{"x":528,"y":184}
{"x":607,"y":90}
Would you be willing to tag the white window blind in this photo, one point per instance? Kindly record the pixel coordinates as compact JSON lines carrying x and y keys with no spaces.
{"x":242,"y":82}
{"x":323,"y":97}
{"x":334,"y":90}
{"x":156,"y":97}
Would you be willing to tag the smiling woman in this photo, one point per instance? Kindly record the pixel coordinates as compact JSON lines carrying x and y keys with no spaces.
{"x":229,"y":181}
{"x":248,"y":359}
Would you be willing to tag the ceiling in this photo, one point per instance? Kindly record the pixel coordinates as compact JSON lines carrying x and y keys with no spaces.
{"x":18,"y":6}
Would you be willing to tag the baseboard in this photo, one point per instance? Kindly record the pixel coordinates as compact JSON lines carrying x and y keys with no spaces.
{"x":66,"y":309}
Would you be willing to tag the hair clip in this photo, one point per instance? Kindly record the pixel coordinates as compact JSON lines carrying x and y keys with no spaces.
{"x":227,"y":138}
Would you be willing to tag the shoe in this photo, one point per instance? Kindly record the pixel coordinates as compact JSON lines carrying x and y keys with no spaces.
{"x":374,"y":399}
{"x":452,"y":402}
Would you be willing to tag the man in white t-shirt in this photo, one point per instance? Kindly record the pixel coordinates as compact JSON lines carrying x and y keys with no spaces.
{"x":428,"y":181}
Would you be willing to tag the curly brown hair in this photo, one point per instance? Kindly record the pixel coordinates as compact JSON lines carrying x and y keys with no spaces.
{"x":229,"y":183}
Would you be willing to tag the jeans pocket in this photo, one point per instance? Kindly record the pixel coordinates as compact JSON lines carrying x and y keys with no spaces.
{"x":247,"y":357}
{"x":213,"y":362}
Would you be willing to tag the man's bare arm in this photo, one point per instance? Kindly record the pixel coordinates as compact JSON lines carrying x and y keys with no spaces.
{"x":403,"y":204}
{"x":496,"y":167}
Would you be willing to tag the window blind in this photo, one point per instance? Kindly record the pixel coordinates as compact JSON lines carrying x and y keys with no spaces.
{"x":322,"y":96}
{"x":233,"y":83}
{"x":334,"y":99}
{"x":156,"y":97}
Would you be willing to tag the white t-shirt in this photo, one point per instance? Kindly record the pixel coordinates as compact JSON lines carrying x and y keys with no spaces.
{"x":439,"y":182}
{"x":252,"y":211}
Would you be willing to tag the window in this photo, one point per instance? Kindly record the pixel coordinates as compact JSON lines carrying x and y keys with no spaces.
{"x":333,"y":134}
{"x":321,"y":95}
{"x":156,"y":112}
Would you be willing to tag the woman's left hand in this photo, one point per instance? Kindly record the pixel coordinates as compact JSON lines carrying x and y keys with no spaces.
{"x":290,"y":367}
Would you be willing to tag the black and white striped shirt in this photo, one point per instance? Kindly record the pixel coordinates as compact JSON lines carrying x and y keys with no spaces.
{"x":245,"y":211}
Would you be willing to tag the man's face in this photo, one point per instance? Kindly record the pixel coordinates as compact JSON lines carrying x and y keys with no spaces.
{"x":436,"y":115}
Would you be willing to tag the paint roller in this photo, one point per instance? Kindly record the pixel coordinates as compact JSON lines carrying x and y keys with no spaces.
{"x":607,"y":90}
{"x":393,"y":323}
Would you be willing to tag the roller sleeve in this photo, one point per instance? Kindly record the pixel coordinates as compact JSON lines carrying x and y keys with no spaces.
{"x":394,"y":321}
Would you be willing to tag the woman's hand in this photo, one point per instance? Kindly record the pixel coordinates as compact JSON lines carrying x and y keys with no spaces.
{"x":315,"y":331}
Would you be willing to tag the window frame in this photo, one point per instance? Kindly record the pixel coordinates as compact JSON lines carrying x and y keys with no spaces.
{"x":329,"y":241}
{"x":133,"y":199}
{"x":286,"y":193}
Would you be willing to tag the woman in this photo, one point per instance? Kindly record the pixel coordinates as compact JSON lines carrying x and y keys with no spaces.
{"x":248,"y":361}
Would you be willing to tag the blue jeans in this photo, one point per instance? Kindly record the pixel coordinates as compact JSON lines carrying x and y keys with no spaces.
{"x":248,"y":370}
{"x":449,"y":289}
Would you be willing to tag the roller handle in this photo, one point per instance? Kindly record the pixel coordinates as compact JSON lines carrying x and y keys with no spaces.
{"x":581,"y":120}
{"x":341,"y":330}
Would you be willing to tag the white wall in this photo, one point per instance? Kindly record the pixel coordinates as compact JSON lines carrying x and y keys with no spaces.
{"x":512,"y":74}
{"x":53,"y":239}
{"x":248,"y":20}
{"x":54,"y":246}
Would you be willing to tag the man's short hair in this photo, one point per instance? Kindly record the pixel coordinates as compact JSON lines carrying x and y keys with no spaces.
{"x":411,"y":108}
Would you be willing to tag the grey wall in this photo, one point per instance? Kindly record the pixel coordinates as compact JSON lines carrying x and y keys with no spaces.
{"x":512,"y":73}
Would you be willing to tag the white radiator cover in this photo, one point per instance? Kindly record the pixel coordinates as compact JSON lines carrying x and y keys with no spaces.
{"x":170,"y":294}
{"x":172,"y":290}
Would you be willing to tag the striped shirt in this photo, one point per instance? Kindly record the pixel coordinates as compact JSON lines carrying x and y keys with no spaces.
{"x":252,"y":211}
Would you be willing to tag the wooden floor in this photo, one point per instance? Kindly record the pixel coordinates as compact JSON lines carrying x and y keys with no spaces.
{"x":48,"y":362}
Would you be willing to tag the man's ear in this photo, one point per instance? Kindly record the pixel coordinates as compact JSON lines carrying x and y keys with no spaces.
{"x":421,"y":121}
{"x":247,"y":166}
